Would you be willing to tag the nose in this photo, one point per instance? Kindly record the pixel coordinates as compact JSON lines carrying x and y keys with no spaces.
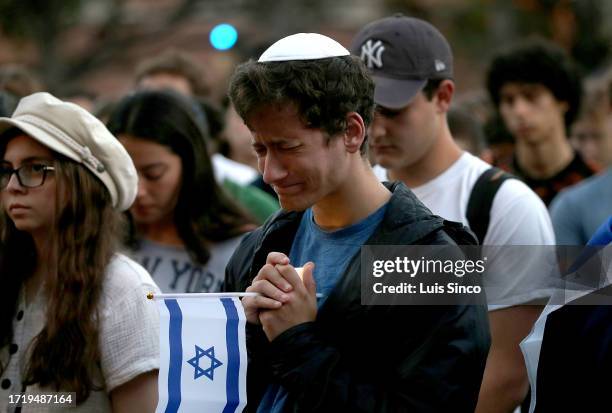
{"x":13,"y":185}
{"x":142,"y":188}
{"x":273,"y":170}
{"x":520,"y":106}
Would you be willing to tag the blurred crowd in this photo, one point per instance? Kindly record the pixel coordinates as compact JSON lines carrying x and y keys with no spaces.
{"x":203,"y":183}
{"x":478,"y":123}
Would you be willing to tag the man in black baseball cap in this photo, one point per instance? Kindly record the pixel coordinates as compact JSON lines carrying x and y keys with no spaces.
{"x":412,"y":66}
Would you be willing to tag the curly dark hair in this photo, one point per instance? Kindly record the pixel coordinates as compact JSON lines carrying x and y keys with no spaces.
{"x":324,"y":90}
{"x":538,"y":61}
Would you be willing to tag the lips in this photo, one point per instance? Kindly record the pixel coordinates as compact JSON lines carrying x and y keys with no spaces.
{"x":287,"y":189}
{"x":142,"y":209}
{"x":523,"y":129}
{"x":17,"y":207}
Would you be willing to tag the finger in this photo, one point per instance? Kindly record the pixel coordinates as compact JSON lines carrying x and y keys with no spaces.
{"x":260,"y":302}
{"x":290,"y":275}
{"x":269,"y":290}
{"x":277,"y":258}
{"x":270,"y":272}
{"x":308,"y":277}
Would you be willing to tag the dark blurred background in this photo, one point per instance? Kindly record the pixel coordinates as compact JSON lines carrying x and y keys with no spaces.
{"x":93,"y":46}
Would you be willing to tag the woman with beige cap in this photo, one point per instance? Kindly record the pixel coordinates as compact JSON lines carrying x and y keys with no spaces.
{"x":73,"y":312}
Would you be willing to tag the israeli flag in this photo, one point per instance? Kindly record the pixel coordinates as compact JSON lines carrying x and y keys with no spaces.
{"x":202,"y":354}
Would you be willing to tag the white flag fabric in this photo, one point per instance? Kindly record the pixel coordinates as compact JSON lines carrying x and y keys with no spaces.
{"x":203,"y":359}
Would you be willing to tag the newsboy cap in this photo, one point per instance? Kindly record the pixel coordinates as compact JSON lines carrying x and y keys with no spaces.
{"x":70,"y":130}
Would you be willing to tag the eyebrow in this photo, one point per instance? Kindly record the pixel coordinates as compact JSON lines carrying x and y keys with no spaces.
{"x":152,"y":165}
{"x":30,"y":159}
{"x":273,"y":141}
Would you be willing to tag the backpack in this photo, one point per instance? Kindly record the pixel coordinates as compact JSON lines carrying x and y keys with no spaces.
{"x":481,"y":199}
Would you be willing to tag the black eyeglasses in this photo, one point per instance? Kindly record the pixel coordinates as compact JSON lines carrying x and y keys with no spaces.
{"x":29,"y":176}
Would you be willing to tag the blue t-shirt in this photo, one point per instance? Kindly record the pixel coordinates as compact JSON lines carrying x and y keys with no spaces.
{"x":331,"y":252}
{"x":601,"y":238}
{"x":577,"y":212}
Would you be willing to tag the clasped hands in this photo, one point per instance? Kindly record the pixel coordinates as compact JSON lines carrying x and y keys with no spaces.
{"x":285,"y":300}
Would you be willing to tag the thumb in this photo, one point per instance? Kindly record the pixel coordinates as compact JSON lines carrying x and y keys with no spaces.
{"x":309,"y":282}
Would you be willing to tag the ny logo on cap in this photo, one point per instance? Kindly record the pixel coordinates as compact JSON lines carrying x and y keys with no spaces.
{"x":371,"y":53}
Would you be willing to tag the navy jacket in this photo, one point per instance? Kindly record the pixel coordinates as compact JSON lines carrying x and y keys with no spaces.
{"x":575,"y":365}
{"x":356,"y":358}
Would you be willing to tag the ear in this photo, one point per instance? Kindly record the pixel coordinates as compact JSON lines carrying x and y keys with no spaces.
{"x":444,"y":95}
{"x":355,"y":132}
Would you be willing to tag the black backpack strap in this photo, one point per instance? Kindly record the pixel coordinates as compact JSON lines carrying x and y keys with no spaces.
{"x":481,"y":199}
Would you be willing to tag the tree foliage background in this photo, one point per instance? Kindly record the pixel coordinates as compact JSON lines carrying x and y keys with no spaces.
{"x":106,"y":29}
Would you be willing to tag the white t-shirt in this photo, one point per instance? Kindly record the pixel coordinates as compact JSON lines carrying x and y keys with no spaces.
{"x":226,"y":168}
{"x":517,"y":217}
{"x":175,"y":272}
{"x":129,"y":338}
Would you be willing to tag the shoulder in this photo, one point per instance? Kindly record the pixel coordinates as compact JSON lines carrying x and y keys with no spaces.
{"x":514,"y":195}
{"x":511,"y":190}
{"x":474,"y":163}
{"x":519,"y":216}
{"x":229,"y":244}
{"x":469,"y":168}
{"x":241,"y":260}
{"x":516,"y":191}
{"x":125,"y":277}
{"x":408,"y":221}
{"x":129,"y":323}
{"x":584,"y":191}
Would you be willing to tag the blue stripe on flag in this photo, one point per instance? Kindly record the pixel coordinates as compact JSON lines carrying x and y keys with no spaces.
{"x":176,"y":356}
{"x":233,"y":356}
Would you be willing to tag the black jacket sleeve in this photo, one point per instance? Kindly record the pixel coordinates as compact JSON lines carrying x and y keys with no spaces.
{"x":442,"y":374}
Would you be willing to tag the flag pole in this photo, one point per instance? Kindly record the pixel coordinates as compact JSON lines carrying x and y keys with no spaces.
{"x":152,"y":296}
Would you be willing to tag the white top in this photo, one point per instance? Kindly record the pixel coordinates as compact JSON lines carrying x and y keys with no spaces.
{"x":303,"y":46}
{"x":226,"y":168}
{"x":517,"y":217}
{"x":175,"y":272}
{"x":129,"y":337}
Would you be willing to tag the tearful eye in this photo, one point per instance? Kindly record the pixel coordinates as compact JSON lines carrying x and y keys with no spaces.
{"x":259,"y":151}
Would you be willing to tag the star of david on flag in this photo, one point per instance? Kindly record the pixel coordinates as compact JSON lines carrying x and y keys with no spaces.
{"x":195,"y":362}
{"x":202,"y":354}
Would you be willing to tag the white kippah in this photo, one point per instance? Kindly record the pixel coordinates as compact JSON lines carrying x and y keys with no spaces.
{"x":303,"y":46}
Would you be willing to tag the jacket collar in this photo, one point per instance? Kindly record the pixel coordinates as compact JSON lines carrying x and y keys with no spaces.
{"x":405,"y":213}
{"x":406,"y":221}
